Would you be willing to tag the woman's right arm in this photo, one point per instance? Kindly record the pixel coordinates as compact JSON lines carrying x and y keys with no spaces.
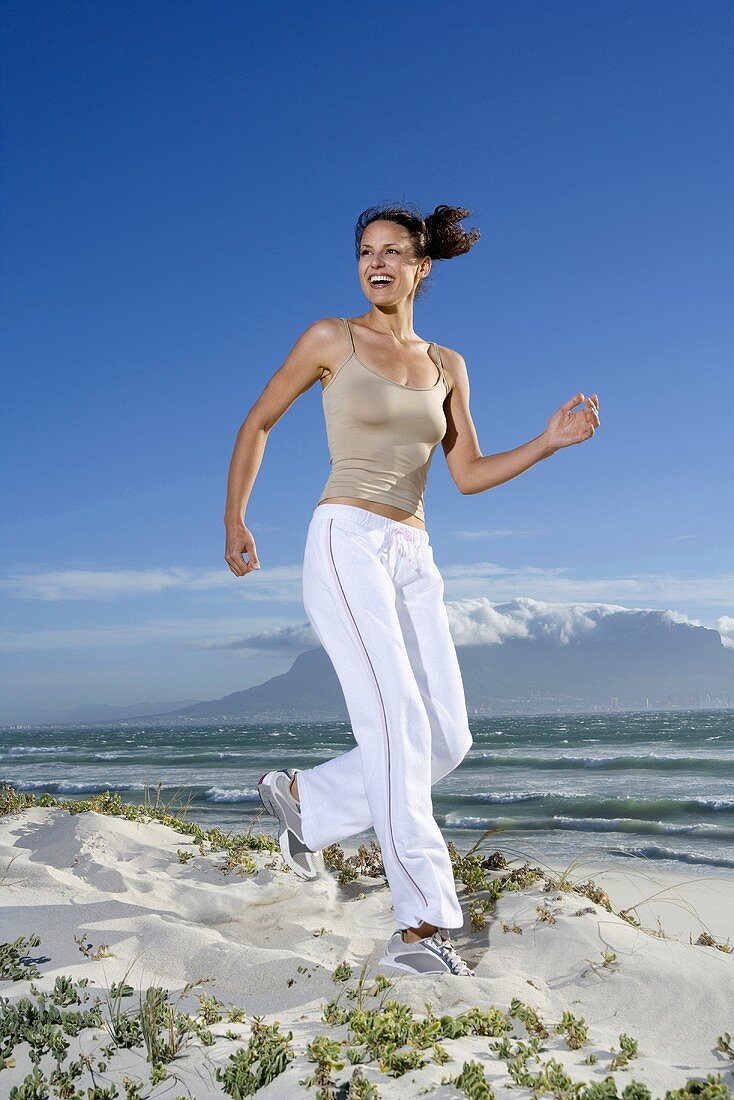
{"x":305,"y":364}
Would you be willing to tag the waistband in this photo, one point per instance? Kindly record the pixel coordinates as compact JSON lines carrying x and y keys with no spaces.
{"x":363,"y":517}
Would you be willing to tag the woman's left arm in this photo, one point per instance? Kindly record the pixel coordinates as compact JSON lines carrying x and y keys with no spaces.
{"x":474,"y":472}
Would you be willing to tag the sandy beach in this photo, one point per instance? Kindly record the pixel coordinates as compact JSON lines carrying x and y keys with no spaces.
{"x":253,"y":965}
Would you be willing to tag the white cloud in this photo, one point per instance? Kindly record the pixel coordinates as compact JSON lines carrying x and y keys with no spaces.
{"x":469,"y":580}
{"x":186,"y":631}
{"x":554,"y":585}
{"x":477,"y":622}
{"x":482,"y":622}
{"x":110,"y":584}
{"x":725,"y":626}
{"x":490,"y":533}
{"x":280,"y":640}
{"x":482,"y":598}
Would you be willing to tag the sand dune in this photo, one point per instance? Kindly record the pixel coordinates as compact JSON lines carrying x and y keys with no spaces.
{"x":270,"y":944}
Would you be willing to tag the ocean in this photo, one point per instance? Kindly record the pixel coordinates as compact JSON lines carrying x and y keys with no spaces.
{"x":645,"y":789}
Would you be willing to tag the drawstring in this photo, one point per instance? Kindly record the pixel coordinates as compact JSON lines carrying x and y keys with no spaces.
{"x":406,"y":546}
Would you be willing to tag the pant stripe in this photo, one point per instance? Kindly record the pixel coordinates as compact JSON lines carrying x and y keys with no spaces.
{"x":384,"y":718}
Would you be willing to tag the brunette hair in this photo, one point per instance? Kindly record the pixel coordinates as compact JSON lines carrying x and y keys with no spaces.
{"x":438,"y":235}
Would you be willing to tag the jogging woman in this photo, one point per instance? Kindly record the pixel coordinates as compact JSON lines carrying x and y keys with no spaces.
{"x":371,"y":589}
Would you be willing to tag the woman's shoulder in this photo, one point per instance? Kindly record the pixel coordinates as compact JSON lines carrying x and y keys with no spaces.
{"x":326,"y":328}
{"x":327,"y":336}
{"x":330,"y":335}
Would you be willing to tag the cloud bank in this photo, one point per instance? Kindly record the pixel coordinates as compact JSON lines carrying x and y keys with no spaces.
{"x":482,"y":622}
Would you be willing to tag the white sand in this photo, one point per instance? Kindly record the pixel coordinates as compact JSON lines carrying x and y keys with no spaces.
{"x":112,"y":881}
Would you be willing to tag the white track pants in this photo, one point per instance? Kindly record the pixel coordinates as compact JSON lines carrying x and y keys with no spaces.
{"x":374,"y":596}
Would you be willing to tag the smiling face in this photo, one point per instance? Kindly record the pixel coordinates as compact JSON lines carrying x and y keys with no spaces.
{"x":388,"y":267}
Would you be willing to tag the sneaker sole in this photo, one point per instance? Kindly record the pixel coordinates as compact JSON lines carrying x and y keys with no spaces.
{"x":272,"y":807}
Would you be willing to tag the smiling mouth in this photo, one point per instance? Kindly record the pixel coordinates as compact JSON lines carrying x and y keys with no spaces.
{"x":380,"y":282}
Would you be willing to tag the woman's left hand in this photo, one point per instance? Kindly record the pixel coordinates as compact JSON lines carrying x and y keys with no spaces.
{"x":566,"y":427}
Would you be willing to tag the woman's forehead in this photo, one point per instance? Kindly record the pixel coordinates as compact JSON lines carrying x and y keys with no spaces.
{"x":385,"y":233}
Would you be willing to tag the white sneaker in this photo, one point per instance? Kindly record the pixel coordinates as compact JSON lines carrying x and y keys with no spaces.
{"x":275,"y":795}
{"x":430,"y":955}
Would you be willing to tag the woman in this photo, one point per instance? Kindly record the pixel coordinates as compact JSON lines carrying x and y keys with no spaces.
{"x":371,"y":589}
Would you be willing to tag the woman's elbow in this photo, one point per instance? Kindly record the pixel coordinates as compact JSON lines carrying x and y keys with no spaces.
{"x":257,"y":420}
{"x":465,"y":483}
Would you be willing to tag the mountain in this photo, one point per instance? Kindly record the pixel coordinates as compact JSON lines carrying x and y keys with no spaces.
{"x":103,"y":712}
{"x":626,"y":660}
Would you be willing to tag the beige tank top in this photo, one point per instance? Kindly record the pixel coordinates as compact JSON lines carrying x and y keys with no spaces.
{"x":381,"y":434}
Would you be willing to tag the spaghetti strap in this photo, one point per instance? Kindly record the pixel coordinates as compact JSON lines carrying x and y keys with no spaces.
{"x":349,"y":330}
{"x":440,"y":363}
{"x":338,"y":370}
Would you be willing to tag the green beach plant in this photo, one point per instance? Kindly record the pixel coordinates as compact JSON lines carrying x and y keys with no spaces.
{"x":471,"y":1081}
{"x":265,"y":1057}
{"x":342,"y":973}
{"x":15,"y":964}
{"x":628,"y":1048}
{"x":707,"y":940}
{"x":712,"y":1087}
{"x":327,"y":1053}
{"x":575,"y":1030}
{"x":529,"y":1017}
{"x":124,"y":1028}
{"x":723,"y":1044}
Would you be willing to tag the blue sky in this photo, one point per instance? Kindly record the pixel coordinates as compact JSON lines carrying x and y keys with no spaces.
{"x":180,"y":189}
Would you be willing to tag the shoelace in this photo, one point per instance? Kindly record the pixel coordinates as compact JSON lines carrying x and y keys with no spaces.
{"x":449,"y":953}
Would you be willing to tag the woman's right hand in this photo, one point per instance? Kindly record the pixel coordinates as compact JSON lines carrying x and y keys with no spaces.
{"x":240,"y":541}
